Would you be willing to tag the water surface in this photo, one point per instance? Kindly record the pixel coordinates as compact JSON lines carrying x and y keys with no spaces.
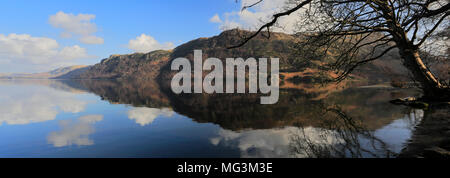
{"x":96,"y":118}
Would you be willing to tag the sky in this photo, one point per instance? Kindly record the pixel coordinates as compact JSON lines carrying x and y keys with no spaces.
{"x":37,"y":36}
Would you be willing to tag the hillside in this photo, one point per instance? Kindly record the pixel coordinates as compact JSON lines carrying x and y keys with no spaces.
{"x":282,"y":46}
{"x":279,"y":45}
{"x":137,"y":65}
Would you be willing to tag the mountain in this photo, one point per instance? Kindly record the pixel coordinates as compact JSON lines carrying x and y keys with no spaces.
{"x":48,"y":75}
{"x":293,"y":67}
{"x":140,"y":65}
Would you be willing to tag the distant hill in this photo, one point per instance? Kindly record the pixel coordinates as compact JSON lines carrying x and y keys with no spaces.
{"x":48,"y":75}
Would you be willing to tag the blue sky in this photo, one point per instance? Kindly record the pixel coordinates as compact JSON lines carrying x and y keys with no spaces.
{"x":117,"y":22}
{"x":38,"y":36}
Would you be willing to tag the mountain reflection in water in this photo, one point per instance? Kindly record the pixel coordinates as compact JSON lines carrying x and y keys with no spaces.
{"x":65,"y":118}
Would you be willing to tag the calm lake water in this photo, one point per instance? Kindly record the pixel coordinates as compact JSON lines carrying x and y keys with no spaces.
{"x":51,"y":118}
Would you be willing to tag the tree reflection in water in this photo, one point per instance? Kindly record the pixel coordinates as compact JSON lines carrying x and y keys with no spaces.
{"x":343,"y":137}
{"x":431,"y":135}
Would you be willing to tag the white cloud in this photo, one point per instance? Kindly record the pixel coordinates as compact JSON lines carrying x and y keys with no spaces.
{"x":24,"y":50}
{"x":215,"y":19}
{"x":75,"y":133}
{"x":91,"y":40}
{"x":146,"y":43}
{"x":252,"y":18}
{"x":35,"y":49}
{"x":73,"y":52}
{"x":145,"y":116}
{"x":79,"y":25}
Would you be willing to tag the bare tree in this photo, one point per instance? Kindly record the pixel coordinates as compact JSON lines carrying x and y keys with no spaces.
{"x":347,"y":28}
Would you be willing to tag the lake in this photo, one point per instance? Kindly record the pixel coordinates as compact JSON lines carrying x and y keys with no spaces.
{"x":106,"y":118}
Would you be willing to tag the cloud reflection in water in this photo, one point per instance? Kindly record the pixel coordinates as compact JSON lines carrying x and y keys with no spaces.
{"x":146,"y":116}
{"x":19,"y":107}
{"x":75,"y":133}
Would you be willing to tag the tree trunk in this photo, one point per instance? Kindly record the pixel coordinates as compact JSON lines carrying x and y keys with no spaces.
{"x":433,"y":90}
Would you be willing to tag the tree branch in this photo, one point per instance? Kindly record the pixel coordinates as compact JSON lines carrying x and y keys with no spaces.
{"x":271,"y":23}
{"x":433,"y":29}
